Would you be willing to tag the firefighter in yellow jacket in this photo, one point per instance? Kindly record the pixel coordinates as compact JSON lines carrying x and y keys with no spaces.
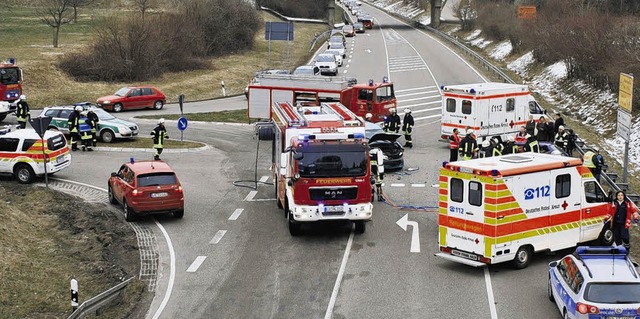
{"x":159,"y":134}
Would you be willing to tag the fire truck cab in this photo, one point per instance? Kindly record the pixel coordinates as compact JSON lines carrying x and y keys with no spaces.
{"x":321,"y":165}
{"x":10,"y":85}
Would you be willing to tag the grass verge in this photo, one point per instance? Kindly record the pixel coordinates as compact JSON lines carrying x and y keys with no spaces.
{"x":235,"y":116}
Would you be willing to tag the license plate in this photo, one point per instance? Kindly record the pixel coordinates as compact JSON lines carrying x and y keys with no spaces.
{"x":464,"y":254}
{"x":60,"y":159}
{"x":156,"y":195}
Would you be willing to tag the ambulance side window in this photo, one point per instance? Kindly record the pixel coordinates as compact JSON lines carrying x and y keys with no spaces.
{"x":563,"y":186}
{"x":466,"y":107}
{"x":9,"y":144}
{"x":456,"y":189}
{"x":27,"y":144}
{"x":511,"y":105}
{"x":451,"y":105}
{"x":475,"y":193}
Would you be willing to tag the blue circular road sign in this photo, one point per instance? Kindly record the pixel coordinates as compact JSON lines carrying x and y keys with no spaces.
{"x":182,"y":123}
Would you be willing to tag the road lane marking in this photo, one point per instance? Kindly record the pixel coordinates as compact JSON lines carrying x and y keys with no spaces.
{"x":196,"y":264}
{"x":421,"y":104}
{"x":397,"y":185}
{"x":492,"y":303}
{"x":428,"y":117}
{"x":264,"y":179}
{"x":218,"y":236}
{"x":418,"y":185}
{"x":250,"y":196}
{"x":236,"y":214}
{"x":172,"y":271}
{"x":336,"y":286}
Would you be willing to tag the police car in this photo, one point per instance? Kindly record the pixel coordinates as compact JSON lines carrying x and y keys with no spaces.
{"x":595,"y":282}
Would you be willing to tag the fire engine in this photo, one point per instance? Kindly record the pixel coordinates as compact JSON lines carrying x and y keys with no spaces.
{"x":10,"y":85}
{"x":490,"y":109}
{"x":375,"y":98}
{"x":321,"y":165}
{"x":505,"y":208}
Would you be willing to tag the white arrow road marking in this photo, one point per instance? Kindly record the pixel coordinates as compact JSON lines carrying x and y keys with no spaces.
{"x":218,"y":236}
{"x":196,"y":264}
{"x":415,"y":234}
{"x":367,"y":50}
{"x":236,"y":214}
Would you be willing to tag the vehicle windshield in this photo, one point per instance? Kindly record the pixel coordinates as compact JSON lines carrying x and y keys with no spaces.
{"x":326,"y":58}
{"x":103,"y":115}
{"x":334,"y":52}
{"x":330,"y":160}
{"x":303,"y":71}
{"x":336,"y":45}
{"x":385,"y":93}
{"x":613,"y":293}
{"x":156,"y":179}
{"x":357,"y":25}
{"x":9,"y":76}
{"x":122,"y":92}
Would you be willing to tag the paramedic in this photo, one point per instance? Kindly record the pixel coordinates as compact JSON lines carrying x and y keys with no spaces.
{"x":521,"y":137}
{"x":454,"y":144}
{"x":468,"y":146}
{"x":621,"y":211}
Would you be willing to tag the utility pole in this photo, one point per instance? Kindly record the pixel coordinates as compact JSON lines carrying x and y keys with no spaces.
{"x":436,"y":10}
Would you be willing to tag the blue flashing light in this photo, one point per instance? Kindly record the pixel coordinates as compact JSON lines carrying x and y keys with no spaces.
{"x":473,"y":91}
{"x":494,"y":172}
{"x":131,"y":160}
{"x":442,"y":87}
{"x":12,"y":60}
{"x":370,"y":82}
{"x":358,"y":135}
{"x":385,"y":79}
{"x":315,"y":112}
{"x":597,"y":250}
{"x":444,"y":164}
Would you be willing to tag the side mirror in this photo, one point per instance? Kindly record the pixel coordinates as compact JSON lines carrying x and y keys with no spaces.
{"x":290,"y":183}
{"x":553,"y":264}
{"x":114,"y":174}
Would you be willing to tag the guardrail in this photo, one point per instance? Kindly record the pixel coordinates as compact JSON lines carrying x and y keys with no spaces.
{"x":284,"y":17}
{"x":99,"y":301}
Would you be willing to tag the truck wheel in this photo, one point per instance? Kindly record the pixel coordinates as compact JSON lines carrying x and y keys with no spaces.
{"x":2,"y":117}
{"x":117,"y":107}
{"x":158,"y":105}
{"x":523,"y":257}
{"x":112,"y":198}
{"x":108,"y":136}
{"x":361,"y":226}
{"x":128,"y":214}
{"x":24,"y":173}
{"x":295,"y":229}
{"x":606,"y":235}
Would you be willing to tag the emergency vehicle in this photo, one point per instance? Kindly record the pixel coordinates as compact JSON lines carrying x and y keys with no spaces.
{"x":505,"y":208}
{"x":375,"y":98}
{"x":21,"y":154}
{"x":321,"y":165}
{"x":10,"y":85}
{"x":490,"y":109}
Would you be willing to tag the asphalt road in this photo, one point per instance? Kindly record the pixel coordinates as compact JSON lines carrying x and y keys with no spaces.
{"x":231,"y":256}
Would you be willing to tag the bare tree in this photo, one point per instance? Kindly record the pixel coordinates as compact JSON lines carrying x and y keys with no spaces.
{"x":75,"y":4}
{"x":145,"y":5}
{"x":465,"y":11}
{"x":55,"y":13}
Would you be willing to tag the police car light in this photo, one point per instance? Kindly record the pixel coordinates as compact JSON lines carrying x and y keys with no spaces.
{"x":444,"y":164}
{"x":358,"y":135}
{"x":12,"y":60}
{"x":472,"y":91}
{"x":131,"y":160}
{"x":370,"y":82}
{"x":494,"y":172}
{"x":385,"y":79}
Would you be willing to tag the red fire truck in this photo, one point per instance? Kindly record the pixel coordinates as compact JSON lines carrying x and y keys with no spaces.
{"x":10,"y":85}
{"x":321,"y":165}
{"x":371,"y":97}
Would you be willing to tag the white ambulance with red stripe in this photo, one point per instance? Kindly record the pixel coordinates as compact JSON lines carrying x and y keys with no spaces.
{"x":23,"y":154}
{"x":490,"y":109}
{"x":505,"y":208}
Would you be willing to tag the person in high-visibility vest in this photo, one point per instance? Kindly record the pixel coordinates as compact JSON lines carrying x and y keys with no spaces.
{"x":92,"y":120}
{"x":561,"y":139}
{"x":74,"y":127}
{"x":377,"y":172}
{"x":468,"y":146}
{"x":532,"y":144}
{"x":22,"y":111}
{"x":454,"y":144}
{"x":159,"y":134}
{"x":497,"y":147}
{"x":588,"y":161}
{"x":85,"y":132}
{"x":407,"y":128}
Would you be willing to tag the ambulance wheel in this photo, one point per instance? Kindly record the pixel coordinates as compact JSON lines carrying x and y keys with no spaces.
{"x":523,"y":257}
{"x":606,"y":235}
{"x":361,"y":227}
{"x":117,"y":107}
{"x":158,"y":105}
{"x":107,"y":136}
{"x":128,"y":214}
{"x":549,"y":291}
{"x":295,"y":229}
{"x":24,"y":173}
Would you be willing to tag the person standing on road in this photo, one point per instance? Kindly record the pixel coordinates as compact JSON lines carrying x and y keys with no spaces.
{"x":510,"y":146}
{"x":22,"y":111}
{"x":377,"y":171}
{"x":560,"y":139}
{"x":544,"y":130}
{"x":454,"y":144}
{"x":392,"y":123}
{"x":587,"y":161}
{"x":85,"y":132}
{"x":468,"y":146}
{"x":531,"y":126}
{"x":159,"y":134}
{"x":92,"y":120}
{"x":521,"y":137}
{"x":622,"y":210}
{"x":407,"y":128}
{"x":571,"y":142}
{"x":74,"y":127}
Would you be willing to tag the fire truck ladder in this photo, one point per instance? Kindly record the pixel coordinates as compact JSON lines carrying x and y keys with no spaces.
{"x":348,"y":117}
{"x":290,"y":113}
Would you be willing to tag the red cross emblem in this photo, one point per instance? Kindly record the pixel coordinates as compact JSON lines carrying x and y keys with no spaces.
{"x":564,"y":205}
{"x":477,"y":241}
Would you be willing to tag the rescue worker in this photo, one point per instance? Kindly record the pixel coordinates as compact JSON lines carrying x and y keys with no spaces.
{"x":531,"y":145}
{"x":468,"y":146}
{"x":621,"y":211}
{"x":510,"y":146}
{"x":74,"y":127}
{"x":368,"y":117}
{"x":392,"y":122}
{"x":496,"y":147}
{"x":22,"y":111}
{"x":571,"y":141}
{"x":454,"y":144}
{"x":560,"y":139}
{"x":485,"y":150}
{"x":92,"y":120}
{"x":85,"y":132}
{"x":521,"y":137}
{"x":376,"y":172}
{"x":407,"y":128}
{"x":159,"y":134}
{"x":594,"y":161}
{"x":530,"y":127}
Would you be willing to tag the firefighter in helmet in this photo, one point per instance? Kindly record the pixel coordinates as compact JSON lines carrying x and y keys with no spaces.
{"x":74,"y":127}
{"x":377,"y":171}
{"x":22,"y":111}
{"x":392,"y":122}
{"x":92,"y":120}
{"x":368,"y":117}
{"x":159,"y":134}
{"x":407,"y":128}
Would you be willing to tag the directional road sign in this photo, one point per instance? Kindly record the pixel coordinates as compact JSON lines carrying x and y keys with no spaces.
{"x":182,"y":123}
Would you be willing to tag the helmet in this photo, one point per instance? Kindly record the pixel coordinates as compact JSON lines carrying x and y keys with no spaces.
{"x":511,"y":139}
{"x":78,"y":108}
{"x":407,"y":111}
{"x":485,"y":143}
{"x":161,"y":121}
{"x":528,"y":136}
{"x":23,"y":97}
{"x":393,"y":110}
{"x":469,"y":131}
{"x":368,"y":116}
{"x":561,"y":127}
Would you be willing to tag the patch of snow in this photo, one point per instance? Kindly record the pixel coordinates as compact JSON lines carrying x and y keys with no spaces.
{"x":473,"y":35}
{"x":424,"y":20}
{"x":521,"y":64}
{"x":558,"y":70}
{"x":501,"y":50}
{"x":480,"y":43}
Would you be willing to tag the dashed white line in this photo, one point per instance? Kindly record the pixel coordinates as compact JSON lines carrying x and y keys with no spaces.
{"x":250,"y":196}
{"x":397,"y":185}
{"x":196,"y":264}
{"x":428,"y":117}
{"x":264,"y":179}
{"x":419,"y":98}
{"x":422,"y":104}
{"x":217,"y":237}
{"x":236,"y":214}
{"x":418,"y":185}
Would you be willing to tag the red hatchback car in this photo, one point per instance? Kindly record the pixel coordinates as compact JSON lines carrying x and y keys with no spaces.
{"x":146,"y":187}
{"x":136,"y":97}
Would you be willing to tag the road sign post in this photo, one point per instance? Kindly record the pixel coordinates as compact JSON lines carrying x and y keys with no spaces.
{"x":41,"y":124}
{"x":625,"y":108}
{"x":74,"y":295}
{"x":182,"y":125}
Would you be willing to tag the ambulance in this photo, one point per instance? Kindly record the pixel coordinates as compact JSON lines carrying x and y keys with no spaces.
{"x":505,"y":208}
{"x":490,"y":109}
{"x":23,"y":153}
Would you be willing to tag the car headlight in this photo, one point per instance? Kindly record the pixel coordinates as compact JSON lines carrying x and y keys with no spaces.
{"x":124,"y":129}
{"x":106,"y":102}
{"x":400,"y":154}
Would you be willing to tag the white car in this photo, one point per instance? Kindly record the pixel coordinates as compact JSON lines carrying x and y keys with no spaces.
{"x":337,"y":54}
{"x":340,"y":47}
{"x":327,"y":64}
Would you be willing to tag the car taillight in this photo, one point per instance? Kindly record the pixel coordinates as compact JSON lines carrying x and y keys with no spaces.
{"x":445,"y":250}
{"x":584,"y":308}
{"x":179,"y":189}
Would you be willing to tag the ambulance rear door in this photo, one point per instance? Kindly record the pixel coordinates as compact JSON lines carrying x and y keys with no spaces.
{"x":457,"y":113}
{"x":466,"y":217}
{"x":565,"y":208}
